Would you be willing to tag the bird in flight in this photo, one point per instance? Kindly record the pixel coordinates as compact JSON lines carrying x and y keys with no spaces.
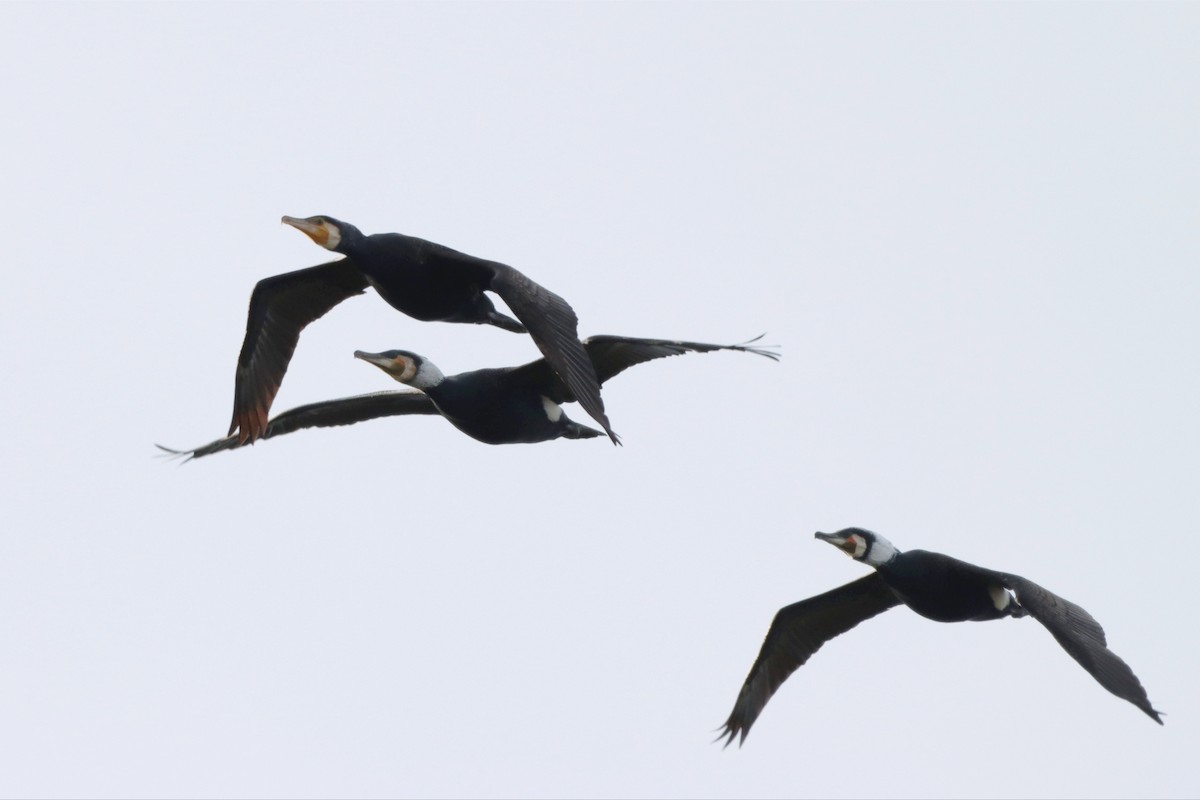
{"x":497,"y":406}
{"x":937,"y":587}
{"x":422,"y":279}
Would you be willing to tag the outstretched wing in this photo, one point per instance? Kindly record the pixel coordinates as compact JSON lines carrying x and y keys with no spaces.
{"x":795,"y":634}
{"x":280,"y":307}
{"x":612,"y":355}
{"x":555,"y":330}
{"x":326,"y":414}
{"x":1082,"y":637}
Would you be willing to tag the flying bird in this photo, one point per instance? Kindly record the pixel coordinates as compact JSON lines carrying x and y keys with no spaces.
{"x":497,"y":406}
{"x":937,"y":587}
{"x":424,"y":280}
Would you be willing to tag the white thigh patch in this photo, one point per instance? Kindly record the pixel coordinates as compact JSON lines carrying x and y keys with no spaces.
{"x":553,"y":409}
{"x":1000,"y":597}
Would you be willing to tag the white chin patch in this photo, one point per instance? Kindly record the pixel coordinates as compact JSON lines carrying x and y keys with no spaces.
{"x":553,"y":409}
{"x":333,"y":238}
{"x":410,"y":371}
{"x":1000,"y":597}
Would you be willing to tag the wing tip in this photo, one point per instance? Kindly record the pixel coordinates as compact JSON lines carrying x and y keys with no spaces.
{"x":730,"y":731}
{"x":764,"y":350}
{"x":183,"y":456}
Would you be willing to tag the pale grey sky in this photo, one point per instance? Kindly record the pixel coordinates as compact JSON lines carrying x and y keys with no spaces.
{"x":972,"y":228}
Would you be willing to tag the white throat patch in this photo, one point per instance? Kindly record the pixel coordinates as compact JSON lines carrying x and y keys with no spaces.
{"x":881,"y":552}
{"x":333,"y":237}
{"x":860,"y":547}
{"x":427,"y":375}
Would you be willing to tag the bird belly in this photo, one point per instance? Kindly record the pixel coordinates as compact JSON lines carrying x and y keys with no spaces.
{"x":511,"y":420}
{"x":941,"y":588}
{"x":425,"y":296}
{"x":942,"y":600}
{"x":943,"y":609}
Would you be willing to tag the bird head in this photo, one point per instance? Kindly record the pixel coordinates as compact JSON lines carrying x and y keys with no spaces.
{"x":861,"y":545}
{"x":330,"y":233}
{"x":405,"y":367}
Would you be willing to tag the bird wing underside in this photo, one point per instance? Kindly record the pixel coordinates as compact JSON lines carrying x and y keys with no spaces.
{"x":1082,"y":637}
{"x":795,"y":634}
{"x":552,"y":324}
{"x":327,"y":414}
{"x":280,"y":307}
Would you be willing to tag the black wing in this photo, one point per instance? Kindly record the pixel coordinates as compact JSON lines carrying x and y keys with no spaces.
{"x":1083,"y":638}
{"x":555,"y":330}
{"x":326,"y":414}
{"x":795,"y":634}
{"x":280,"y":307}
{"x":612,"y":355}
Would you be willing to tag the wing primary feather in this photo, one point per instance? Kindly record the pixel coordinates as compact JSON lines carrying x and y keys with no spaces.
{"x":1082,"y":637}
{"x":554,"y":328}
{"x":612,"y":355}
{"x":325,"y":414}
{"x":796,"y":633}
{"x":280,"y":308}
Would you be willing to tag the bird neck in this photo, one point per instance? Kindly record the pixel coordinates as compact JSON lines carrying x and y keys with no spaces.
{"x":881,"y":552}
{"x":427,"y":377}
{"x":352,"y":240}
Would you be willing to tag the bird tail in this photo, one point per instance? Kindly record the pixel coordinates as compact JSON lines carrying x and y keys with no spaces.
{"x":506,"y":322}
{"x":576,"y":431}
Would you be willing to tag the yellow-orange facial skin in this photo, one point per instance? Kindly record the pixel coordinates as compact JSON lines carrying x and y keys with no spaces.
{"x":316,"y":228}
{"x":401,"y":368}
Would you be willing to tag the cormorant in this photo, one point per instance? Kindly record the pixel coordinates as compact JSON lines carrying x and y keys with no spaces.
{"x":424,"y":280}
{"x":495,"y":406}
{"x":935,"y":586}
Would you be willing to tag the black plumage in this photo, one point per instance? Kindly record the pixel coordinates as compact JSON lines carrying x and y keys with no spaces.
{"x":935,"y":586}
{"x":422,"y":279}
{"x":497,"y":406}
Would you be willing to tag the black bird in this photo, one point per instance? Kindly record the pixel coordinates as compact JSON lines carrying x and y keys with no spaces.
{"x":935,"y":586}
{"x":424,"y":280}
{"x":495,"y":406}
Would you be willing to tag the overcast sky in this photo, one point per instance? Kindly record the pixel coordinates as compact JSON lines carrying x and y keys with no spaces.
{"x":971,"y":228}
